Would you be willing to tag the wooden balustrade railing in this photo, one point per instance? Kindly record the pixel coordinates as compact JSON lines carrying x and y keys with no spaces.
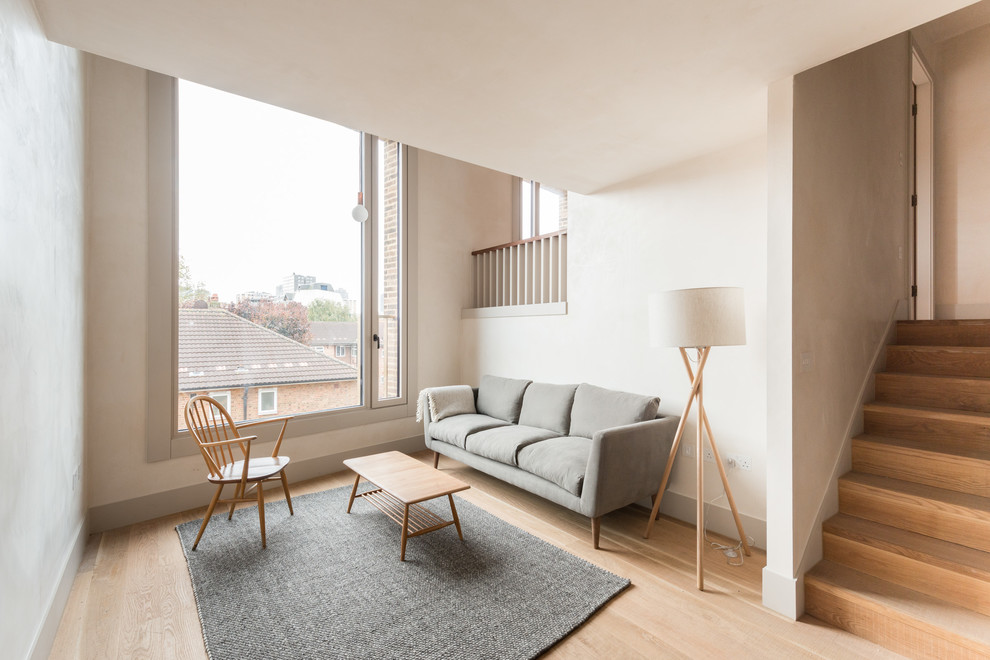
{"x":528,"y":272}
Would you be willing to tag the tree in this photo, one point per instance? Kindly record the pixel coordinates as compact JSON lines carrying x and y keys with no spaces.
{"x":190,"y":292}
{"x":286,"y":318}
{"x":329,"y":310}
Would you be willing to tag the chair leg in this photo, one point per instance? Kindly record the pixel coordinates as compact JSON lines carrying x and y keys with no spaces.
{"x":209,"y":512}
{"x":285,"y":487}
{"x":436,"y":459}
{"x":596,"y":528}
{"x":261,"y":513}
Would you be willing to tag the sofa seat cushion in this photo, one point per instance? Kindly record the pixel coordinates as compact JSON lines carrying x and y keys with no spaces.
{"x":561,"y":460}
{"x":503,"y":444}
{"x":597,"y":408}
{"x":548,"y":406}
{"x":455,"y":430}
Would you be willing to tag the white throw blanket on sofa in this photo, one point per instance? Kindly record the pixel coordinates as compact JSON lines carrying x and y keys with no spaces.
{"x":445,"y":402}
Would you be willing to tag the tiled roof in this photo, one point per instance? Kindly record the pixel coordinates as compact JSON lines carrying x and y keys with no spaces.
{"x":218,"y":349}
{"x":327,"y":333}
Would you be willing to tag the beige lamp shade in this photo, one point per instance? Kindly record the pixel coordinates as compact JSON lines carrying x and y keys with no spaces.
{"x":691,"y":318}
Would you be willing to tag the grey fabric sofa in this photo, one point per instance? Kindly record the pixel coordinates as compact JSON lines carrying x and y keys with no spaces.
{"x":587,"y":448}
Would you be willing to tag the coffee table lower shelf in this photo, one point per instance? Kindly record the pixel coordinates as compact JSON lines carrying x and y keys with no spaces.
{"x":414,"y":519}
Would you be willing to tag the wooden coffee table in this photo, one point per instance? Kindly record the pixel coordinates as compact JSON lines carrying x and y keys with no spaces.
{"x":402,"y":483}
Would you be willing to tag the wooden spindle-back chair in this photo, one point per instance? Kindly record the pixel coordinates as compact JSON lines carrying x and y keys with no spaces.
{"x":228,"y":458}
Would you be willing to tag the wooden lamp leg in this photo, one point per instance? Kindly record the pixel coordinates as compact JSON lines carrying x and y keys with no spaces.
{"x":700,"y":515}
{"x":703,"y":426}
{"x":695,"y":385}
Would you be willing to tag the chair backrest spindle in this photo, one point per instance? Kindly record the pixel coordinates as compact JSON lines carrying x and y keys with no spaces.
{"x":208,"y":421}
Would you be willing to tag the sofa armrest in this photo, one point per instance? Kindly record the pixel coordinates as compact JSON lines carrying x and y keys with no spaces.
{"x":626,"y":464}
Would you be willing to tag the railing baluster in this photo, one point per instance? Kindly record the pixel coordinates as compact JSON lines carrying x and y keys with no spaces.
{"x":527,"y":272}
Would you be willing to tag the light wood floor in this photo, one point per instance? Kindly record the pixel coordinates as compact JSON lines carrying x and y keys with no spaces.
{"x":132,"y":597}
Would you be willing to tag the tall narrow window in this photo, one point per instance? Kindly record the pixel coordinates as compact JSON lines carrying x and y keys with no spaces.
{"x":390,"y":266}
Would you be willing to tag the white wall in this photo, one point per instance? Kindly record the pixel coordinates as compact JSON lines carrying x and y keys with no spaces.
{"x":456,"y":202}
{"x":702,"y":223}
{"x":849,"y":235}
{"x":962,"y":166}
{"x":42,"y":132}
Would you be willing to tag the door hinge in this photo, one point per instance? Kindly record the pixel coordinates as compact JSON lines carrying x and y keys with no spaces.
{"x":914,"y":110}
{"x":914,"y":200}
{"x":914,"y":290}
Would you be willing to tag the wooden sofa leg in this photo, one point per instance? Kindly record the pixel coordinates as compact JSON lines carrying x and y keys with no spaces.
{"x":596,"y":528}
{"x":436,"y":459}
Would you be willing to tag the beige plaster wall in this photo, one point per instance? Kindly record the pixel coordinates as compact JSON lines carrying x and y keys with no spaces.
{"x":850,"y":235}
{"x":962,"y":168}
{"x":42,"y":130}
{"x":123,"y":480}
{"x":701,"y":223}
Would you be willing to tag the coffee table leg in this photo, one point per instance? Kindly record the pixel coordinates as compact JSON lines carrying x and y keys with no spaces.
{"x":405,"y":532}
{"x":357,"y":478}
{"x":457,"y":523}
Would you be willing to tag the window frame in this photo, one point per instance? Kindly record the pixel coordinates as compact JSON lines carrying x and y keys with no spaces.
{"x":221,"y":393}
{"x":262,"y":391}
{"x":534,"y":230}
{"x":339,"y":350}
{"x":163,"y":440}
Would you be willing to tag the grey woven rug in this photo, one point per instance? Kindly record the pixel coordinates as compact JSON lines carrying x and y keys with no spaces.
{"x":330,"y":585}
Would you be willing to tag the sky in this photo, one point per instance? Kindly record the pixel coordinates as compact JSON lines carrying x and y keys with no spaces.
{"x":265,"y":192}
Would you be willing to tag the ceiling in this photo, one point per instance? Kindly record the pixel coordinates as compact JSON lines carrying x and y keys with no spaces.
{"x":580,"y":95}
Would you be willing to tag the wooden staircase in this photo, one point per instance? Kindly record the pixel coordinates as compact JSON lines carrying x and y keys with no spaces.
{"x":907,"y":559}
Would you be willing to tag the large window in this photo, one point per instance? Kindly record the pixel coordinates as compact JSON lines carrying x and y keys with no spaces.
{"x":269,"y":260}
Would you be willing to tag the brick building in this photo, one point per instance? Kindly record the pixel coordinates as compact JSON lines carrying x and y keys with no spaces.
{"x":338,"y":339}
{"x":256,"y":372}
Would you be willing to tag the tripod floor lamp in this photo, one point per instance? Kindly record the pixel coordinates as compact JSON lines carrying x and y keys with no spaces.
{"x":698,"y":319}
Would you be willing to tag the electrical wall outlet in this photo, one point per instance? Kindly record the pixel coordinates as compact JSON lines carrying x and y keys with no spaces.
{"x":688,"y":450}
{"x":739,"y":461}
{"x":709,"y":455}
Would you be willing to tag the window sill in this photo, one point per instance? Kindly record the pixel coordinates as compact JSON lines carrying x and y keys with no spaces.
{"x":543,"y":309}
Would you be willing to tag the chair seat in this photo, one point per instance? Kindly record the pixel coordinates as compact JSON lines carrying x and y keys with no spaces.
{"x":258,"y":469}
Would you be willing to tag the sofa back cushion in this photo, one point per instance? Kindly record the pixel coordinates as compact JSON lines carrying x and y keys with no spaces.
{"x":501,"y":398}
{"x":596,"y":408}
{"x":548,"y":406}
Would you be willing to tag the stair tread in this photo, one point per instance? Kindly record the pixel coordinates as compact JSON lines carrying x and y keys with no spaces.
{"x":979,"y":505}
{"x":948,"y":414}
{"x":931,"y":348}
{"x":930,"y":611}
{"x":962,"y":559}
{"x":943,"y":322}
{"x":927,"y":446}
{"x":935,"y":377}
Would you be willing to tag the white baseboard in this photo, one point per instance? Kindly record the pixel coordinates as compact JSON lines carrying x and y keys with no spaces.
{"x":156,"y":505}
{"x":783,"y":594}
{"x":719,"y":519}
{"x":44,"y":637}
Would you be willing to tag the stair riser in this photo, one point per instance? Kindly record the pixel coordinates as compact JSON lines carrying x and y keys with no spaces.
{"x":967,"y":334}
{"x":950,"y":362}
{"x":899,"y":634}
{"x":941,"y":433}
{"x":940,"y":520}
{"x":952,"y":394}
{"x":954,"y":586}
{"x":963,"y":475}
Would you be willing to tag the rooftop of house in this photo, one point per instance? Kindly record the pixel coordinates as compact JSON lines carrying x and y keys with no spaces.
{"x":328,"y":333}
{"x":218,"y":349}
